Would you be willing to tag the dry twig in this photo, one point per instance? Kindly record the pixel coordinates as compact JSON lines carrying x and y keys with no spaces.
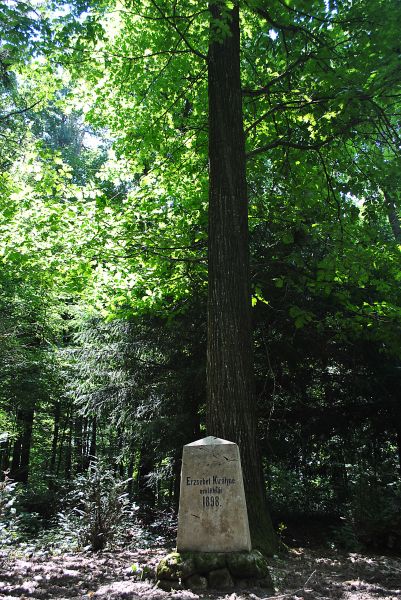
{"x":293,"y":592}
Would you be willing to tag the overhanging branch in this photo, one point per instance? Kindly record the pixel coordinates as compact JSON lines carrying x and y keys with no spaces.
{"x":19,"y":111}
{"x":178,"y":30}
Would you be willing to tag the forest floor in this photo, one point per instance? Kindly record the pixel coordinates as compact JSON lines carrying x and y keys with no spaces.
{"x":302,"y":574}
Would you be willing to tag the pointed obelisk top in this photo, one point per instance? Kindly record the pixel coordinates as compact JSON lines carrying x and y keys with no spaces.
{"x":210,"y":440}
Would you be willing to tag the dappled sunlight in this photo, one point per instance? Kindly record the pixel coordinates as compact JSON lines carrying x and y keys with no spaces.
{"x":298,"y":575}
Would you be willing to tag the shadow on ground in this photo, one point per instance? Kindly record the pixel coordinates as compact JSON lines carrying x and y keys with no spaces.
{"x":302,"y":574}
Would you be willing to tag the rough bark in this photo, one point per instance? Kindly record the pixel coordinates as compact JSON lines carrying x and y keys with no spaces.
{"x":231,"y":403}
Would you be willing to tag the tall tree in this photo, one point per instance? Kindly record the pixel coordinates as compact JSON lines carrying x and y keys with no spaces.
{"x":230,"y":404}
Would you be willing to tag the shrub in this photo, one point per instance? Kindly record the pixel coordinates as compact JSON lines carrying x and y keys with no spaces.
{"x":97,"y":509}
{"x":7,"y":510}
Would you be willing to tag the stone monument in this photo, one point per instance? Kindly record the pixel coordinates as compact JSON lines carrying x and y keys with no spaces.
{"x":212,"y":515}
{"x":213,"y":541}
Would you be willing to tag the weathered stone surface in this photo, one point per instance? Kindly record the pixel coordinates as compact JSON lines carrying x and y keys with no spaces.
{"x":221,"y":569}
{"x":209,"y":561}
{"x":246,"y":584}
{"x":169,"y":567}
{"x":187,"y":566}
{"x":168,"y":585}
{"x":267,"y":583}
{"x":176,"y":566}
{"x":220,"y":579}
{"x":246,"y":565}
{"x":212,"y":515}
{"x":196,"y":582}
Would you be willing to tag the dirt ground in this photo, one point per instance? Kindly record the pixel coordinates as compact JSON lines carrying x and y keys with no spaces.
{"x":300,"y":575}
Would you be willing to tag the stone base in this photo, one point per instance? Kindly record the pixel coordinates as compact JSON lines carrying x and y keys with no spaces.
{"x":213,"y":570}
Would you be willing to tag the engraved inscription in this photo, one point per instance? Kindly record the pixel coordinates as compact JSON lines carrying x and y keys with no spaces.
{"x":211,"y":502}
{"x":212,"y":495}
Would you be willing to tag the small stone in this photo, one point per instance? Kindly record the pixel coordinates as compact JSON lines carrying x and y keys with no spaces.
{"x":220,"y":579}
{"x":267,"y":583}
{"x":209,"y":561}
{"x":196,"y":582}
{"x":175,"y":566}
{"x":245,"y":565}
{"x":187,"y":565}
{"x":169,"y":584}
{"x":169,"y":567}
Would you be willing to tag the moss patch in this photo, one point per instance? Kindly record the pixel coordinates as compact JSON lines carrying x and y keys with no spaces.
{"x":219,"y":570}
{"x":246,"y":565}
{"x":209,"y":561}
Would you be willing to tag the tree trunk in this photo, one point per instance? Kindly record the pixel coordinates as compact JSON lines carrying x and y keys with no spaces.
{"x":5,"y":457}
{"x":90,"y":446}
{"x":397,"y":426}
{"x":177,"y":463}
{"x":68,"y":453}
{"x":130,"y":472}
{"x":231,"y":403}
{"x":64,"y":440}
{"x":145,"y":492}
{"x":398,"y":434}
{"x":78,"y":445}
{"x":56,"y":432}
{"x":22,"y":445}
{"x":393,"y":217}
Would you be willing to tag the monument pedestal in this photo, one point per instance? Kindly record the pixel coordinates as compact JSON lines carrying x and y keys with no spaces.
{"x":214,"y":570}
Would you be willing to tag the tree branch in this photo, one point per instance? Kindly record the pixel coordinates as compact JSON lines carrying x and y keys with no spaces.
{"x":164,"y":17}
{"x":150,"y":250}
{"x":265,"y":89}
{"x":177,"y":30}
{"x":281,"y":142}
{"x":262,"y":12}
{"x":285,"y":143}
{"x":293,"y":104}
{"x":19,"y":111}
